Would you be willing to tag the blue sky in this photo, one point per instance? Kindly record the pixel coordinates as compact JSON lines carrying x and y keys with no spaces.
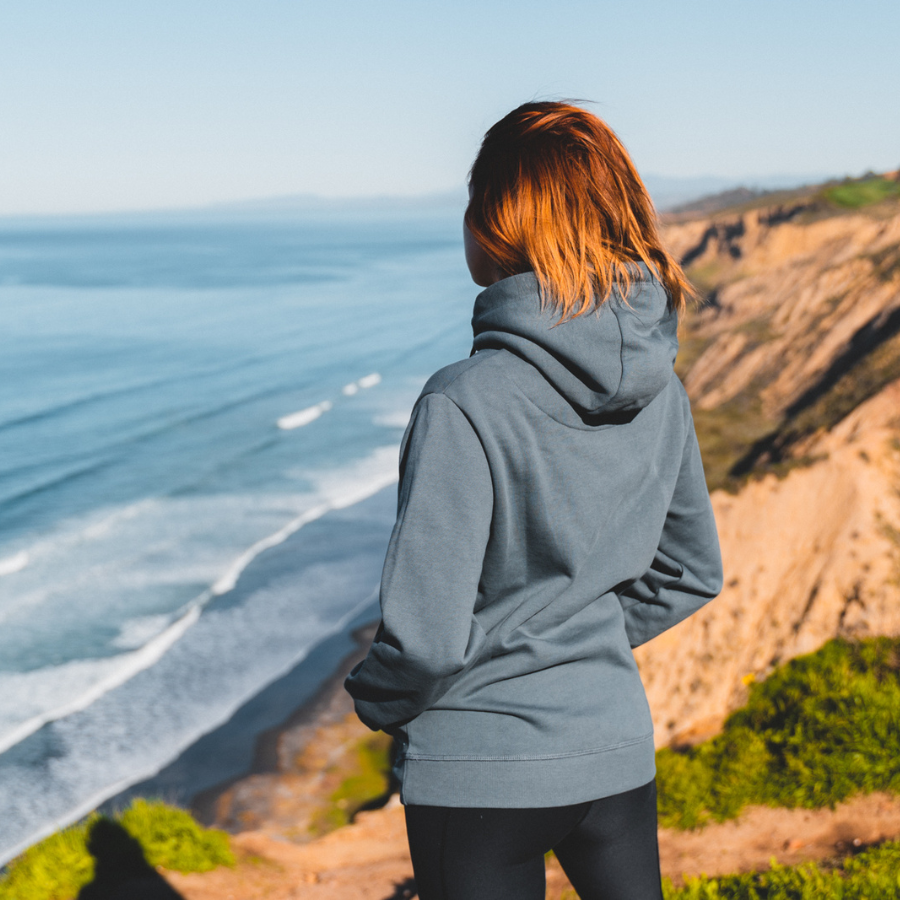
{"x":108,"y":105}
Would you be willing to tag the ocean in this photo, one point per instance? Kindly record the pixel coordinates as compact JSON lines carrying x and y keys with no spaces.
{"x":200,"y":415}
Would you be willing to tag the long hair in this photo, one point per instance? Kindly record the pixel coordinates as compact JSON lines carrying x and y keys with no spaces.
{"x":553,"y":191}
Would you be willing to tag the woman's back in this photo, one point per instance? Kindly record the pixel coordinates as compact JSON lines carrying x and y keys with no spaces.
{"x":565,"y":447}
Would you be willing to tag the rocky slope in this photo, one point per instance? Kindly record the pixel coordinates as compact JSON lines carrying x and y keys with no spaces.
{"x":793,"y":367}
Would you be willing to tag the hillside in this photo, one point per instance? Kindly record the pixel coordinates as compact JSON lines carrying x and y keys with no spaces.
{"x":792,"y":363}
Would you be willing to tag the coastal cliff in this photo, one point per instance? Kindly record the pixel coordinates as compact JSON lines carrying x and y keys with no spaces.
{"x":792,"y":364}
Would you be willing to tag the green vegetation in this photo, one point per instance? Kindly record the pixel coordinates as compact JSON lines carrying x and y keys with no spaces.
{"x":172,"y":838}
{"x":874,"y":873}
{"x":366,"y":781}
{"x":57,"y":868}
{"x":54,"y":869}
{"x":706,"y":278}
{"x":860,"y":192}
{"x":726,"y":434}
{"x":690,"y":348}
{"x":819,"y":729}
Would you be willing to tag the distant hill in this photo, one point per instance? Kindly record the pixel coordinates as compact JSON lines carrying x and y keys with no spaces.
{"x":670,"y":193}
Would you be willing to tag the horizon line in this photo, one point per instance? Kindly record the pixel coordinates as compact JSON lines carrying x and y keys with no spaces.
{"x":321,"y":202}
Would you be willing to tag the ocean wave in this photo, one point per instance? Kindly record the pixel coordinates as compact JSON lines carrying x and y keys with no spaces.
{"x":137,"y":632}
{"x":311,"y":413}
{"x":384,"y":475}
{"x":368,"y":381}
{"x":53,"y":482}
{"x":15,"y":563}
{"x":55,"y":692}
{"x":64,"y":806}
{"x":150,"y":426}
{"x":119,"y":669}
{"x":304,"y":416}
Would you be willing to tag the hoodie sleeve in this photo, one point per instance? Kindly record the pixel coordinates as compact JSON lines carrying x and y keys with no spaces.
{"x":428,"y":634}
{"x":686,"y":571}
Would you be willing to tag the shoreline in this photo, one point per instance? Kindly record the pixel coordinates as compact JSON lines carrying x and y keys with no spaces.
{"x":349,"y":541}
{"x":277,"y":749}
{"x":301,"y":601}
{"x":261,"y":736}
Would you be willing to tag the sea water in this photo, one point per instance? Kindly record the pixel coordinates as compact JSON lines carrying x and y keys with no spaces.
{"x":179,"y":395}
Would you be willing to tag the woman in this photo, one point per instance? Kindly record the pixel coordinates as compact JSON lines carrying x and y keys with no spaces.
{"x":552,"y":515}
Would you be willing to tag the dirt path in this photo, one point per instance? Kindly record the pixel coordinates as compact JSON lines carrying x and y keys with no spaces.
{"x":369,"y":861}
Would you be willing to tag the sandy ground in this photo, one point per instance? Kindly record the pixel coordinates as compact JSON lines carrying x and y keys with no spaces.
{"x":369,"y":861}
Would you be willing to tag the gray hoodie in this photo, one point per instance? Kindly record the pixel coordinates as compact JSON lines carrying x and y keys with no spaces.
{"x":552,"y":515}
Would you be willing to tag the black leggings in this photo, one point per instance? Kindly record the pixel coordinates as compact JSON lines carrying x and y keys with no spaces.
{"x":607,"y":847}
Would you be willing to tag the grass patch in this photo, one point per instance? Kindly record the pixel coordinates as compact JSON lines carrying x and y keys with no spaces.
{"x":821,"y":728}
{"x":55,"y":869}
{"x":725,"y":435}
{"x":705,"y":277}
{"x":59,"y":866}
{"x":172,"y":838}
{"x":690,"y":348}
{"x":860,"y":192}
{"x":873,"y":873}
{"x":729,"y":431}
{"x":366,"y":780}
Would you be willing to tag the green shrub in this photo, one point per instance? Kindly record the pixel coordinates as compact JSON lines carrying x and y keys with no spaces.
{"x":57,"y":867}
{"x":172,"y":838}
{"x":872,"y":875}
{"x":819,"y":729}
{"x":366,"y":780}
{"x":54,"y":869}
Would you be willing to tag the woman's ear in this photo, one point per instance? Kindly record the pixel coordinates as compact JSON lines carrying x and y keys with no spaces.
{"x":483,"y":269}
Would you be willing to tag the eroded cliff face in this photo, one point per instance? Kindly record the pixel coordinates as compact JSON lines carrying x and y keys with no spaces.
{"x":793,"y":368}
{"x":792,"y":301}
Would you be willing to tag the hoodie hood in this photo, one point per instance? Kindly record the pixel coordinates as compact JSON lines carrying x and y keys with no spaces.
{"x":614,"y":360}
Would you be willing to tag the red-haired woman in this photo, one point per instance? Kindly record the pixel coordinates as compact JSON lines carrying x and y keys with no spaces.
{"x":552,"y":515}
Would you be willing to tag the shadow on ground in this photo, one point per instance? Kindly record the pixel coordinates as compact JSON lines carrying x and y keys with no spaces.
{"x":405,"y":890}
{"x":121,"y":871}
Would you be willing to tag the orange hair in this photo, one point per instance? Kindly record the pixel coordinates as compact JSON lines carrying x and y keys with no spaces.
{"x":553,"y":191}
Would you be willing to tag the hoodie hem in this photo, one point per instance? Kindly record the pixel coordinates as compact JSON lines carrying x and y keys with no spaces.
{"x":527,"y":781}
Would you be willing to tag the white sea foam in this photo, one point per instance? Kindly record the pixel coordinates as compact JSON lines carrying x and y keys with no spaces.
{"x":368,"y":381}
{"x":29,"y":700}
{"x":304,"y":416}
{"x":124,"y":667}
{"x":142,"y":759}
{"x":343,"y":488}
{"x":311,"y":413}
{"x":13,"y":564}
{"x":137,"y":632}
